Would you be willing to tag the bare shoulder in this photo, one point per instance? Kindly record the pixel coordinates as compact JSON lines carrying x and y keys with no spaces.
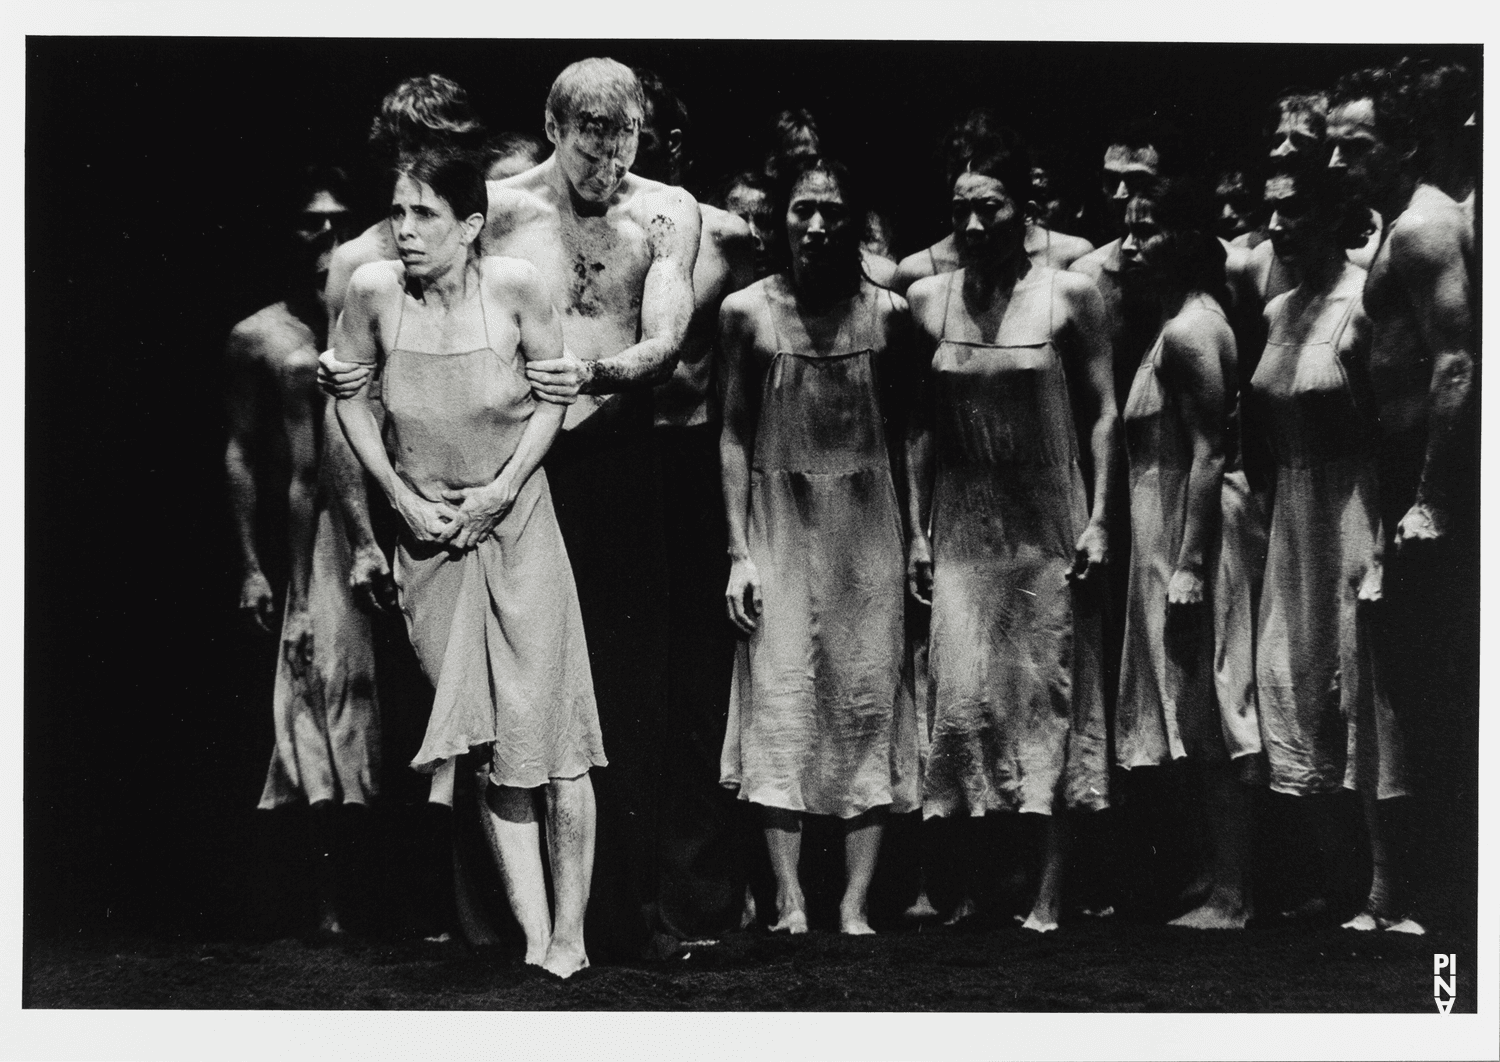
{"x":1068,"y":249}
{"x":1430,"y":231}
{"x":1071,"y":285}
{"x":650,"y":200}
{"x":1093,"y":263}
{"x":374,"y":279}
{"x":722,"y":227}
{"x":889,"y":305}
{"x":267,"y":337}
{"x":742,"y":306}
{"x":879,"y":269}
{"x":505,"y":276}
{"x":911,"y":269}
{"x":926,"y":298}
{"x":1196,"y":330}
{"x":372,"y":245}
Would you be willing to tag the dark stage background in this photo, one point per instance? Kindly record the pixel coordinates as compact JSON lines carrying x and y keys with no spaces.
{"x":152,"y":168}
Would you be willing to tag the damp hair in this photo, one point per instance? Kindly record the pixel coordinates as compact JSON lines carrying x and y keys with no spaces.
{"x":1389,"y":92}
{"x":666,"y":110}
{"x":1164,"y":137}
{"x":455,"y":176}
{"x":1186,"y":254}
{"x":424,"y":110}
{"x":1003,"y":156}
{"x":787,"y":127}
{"x":785,"y":185}
{"x":602,"y":89}
{"x":977,"y":126}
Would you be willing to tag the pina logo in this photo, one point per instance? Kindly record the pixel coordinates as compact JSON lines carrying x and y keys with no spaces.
{"x":1444,"y":986}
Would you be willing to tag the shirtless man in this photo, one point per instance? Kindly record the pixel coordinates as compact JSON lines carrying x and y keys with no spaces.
{"x":1044,"y":247}
{"x":703,"y":832}
{"x":1422,"y":371}
{"x":508,"y":154}
{"x":617,"y":253}
{"x":326,"y":721}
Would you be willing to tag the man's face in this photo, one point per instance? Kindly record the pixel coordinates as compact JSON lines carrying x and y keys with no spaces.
{"x":321,"y":226}
{"x":1234,"y":207}
{"x":753,"y":207}
{"x":1127,"y":172}
{"x":653,"y":157}
{"x":1295,"y":139}
{"x":1358,"y":151}
{"x":595,"y":153}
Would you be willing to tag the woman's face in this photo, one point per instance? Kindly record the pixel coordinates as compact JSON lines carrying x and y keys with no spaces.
{"x":1297,"y":231}
{"x":819,"y":225}
{"x":1141,"y":233}
{"x":428,"y":237}
{"x":988,"y":225}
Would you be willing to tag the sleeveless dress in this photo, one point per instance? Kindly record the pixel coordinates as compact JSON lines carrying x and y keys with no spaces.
{"x":1015,"y":657}
{"x":1325,"y":714}
{"x":497,"y":627}
{"x":1183,"y":691}
{"x":327,"y":723}
{"x":819,"y":719}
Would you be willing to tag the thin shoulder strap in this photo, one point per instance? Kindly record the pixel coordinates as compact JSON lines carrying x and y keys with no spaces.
{"x":1051,"y":303}
{"x":484,"y":318}
{"x":400,"y":313}
{"x":933,"y":259}
{"x":1339,"y":329}
{"x":953,"y":282}
{"x":874,"y":316}
{"x":765,"y":292}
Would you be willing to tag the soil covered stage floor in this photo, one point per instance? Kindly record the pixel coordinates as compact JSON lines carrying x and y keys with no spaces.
{"x":1087,"y":966}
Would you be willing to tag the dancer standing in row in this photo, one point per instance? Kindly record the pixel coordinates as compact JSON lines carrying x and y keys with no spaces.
{"x":819,"y":720}
{"x":1015,"y":553}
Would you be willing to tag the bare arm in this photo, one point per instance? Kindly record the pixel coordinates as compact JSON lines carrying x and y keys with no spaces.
{"x":919,"y":461}
{"x":358,"y":341}
{"x":242,"y":405}
{"x":672,"y":232}
{"x":1192,"y":370}
{"x":1429,"y":260}
{"x":736,"y":443}
{"x":541,"y":340}
{"x":1086,"y":344}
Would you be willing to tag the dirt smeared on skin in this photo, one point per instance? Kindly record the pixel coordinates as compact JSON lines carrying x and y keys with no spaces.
{"x":584,"y":298}
{"x":659,"y":231}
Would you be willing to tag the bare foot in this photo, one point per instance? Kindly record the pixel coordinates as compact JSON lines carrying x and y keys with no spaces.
{"x":921,"y":909}
{"x":965,"y":909}
{"x":854,"y":923}
{"x":1196,"y":894}
{"x":1107,"y":911}
{"x":1363,"y":922}
{"x":1217,"y":912}
{"x":536,"y":956}
{"x":748,"y":912}
{"x":1039,"y":923}
{"x":438,"y":938}
{"x":793,"y":922}
{"x":564,"y":960}
{"x":1404,"y":925}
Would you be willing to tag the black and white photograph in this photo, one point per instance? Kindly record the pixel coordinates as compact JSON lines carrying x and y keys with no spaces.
{"x":770,"y":524}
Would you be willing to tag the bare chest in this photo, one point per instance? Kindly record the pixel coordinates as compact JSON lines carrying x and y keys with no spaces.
{"x":594,"y":268}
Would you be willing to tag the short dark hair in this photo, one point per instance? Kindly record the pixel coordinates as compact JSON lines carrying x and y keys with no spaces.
{"x":1388,"y":91}
{"x":1441,"y":97}
{"x":978,"y":125}
{"x":424,"y":110}
{"x":1003,"y":156}
{"x":455,"y":176}
{"x":1330,"y":206}
{"x":309,"y":181}
{"x":789,"y":123}
{"x":667,"y":111}
{"x":1296,"y":100}
{"x":1187,"y":254}
{"x":1137,"y":134}
{"x":749,"y":179}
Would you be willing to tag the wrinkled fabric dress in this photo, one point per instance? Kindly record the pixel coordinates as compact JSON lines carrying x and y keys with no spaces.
{"x":1326,"y":718}
{"x":1184,"y":691}
{"x":497,"y":627}
{"x":1015,"y":657}
{"x":327,"y":722}
{"x":819,"y":720}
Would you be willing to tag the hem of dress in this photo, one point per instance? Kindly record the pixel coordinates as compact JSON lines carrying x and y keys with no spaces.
{"x":802,"y":809}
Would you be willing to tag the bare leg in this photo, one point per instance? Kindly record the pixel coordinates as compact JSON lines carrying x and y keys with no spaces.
{"x":1382,"y":908}
{"x":784,"y":841}
{"x":921,"y":908}
{"x":513,"y":833}
{"x":325,"y":873}
{"x":1227,"y":905}
{"x":748,"y":913}
{"x":1043,"y":916}
{"x":862,"y":836}
{"x":570,"y":847}
{"x":469,"y":807}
